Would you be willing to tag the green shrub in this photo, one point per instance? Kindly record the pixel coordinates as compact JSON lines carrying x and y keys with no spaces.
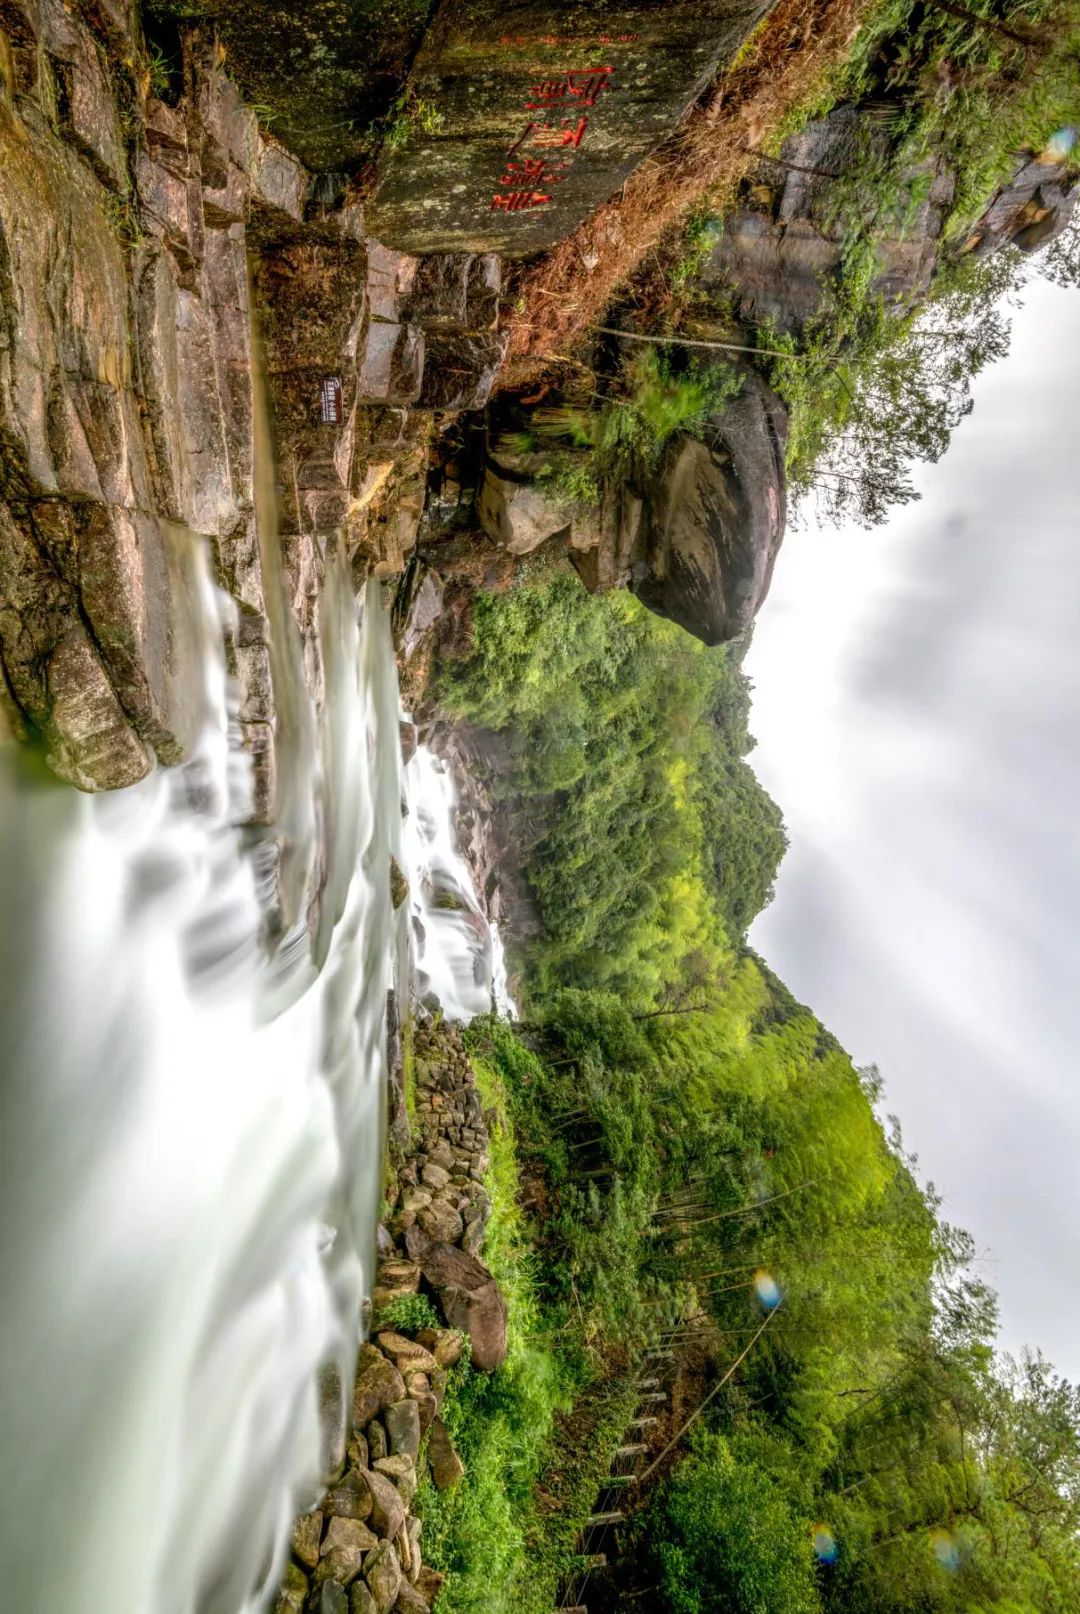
{"x":408,"y":1314}
{"x":729,"y":1538}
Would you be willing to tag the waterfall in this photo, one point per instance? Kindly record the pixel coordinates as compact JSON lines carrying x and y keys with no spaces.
{"x":192,"y":1130}
{"x":459,"y":956}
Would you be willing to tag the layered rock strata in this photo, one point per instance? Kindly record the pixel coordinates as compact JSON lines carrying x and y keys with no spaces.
{"x":133,"y":233}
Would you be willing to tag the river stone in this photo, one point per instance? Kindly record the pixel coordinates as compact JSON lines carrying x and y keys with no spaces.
{"x":293,"y":1591}
{"x":350,"y":1498}
{"x":328,"y":1598}
{"x":403,"y":1428}
{"x":446,"y":1466}
{"x":306,"y":1534}
{"x":409,"y":1601}
{"x":340,"y":1564}
{"x":377,"y":1387}
{"x":445,"y":1344}
{"x":414,"y":1529}
{"x":399,"y":885}
{"x":387,"y":1508}
{"x":408,"y":1355}
{"x":401,"y":1472}
{"x":382,"y":1572}
{"x":544,"y":111}
{"x":403,"y":1277}
{"x":441,"y":1222}
{"x":435,"y":1176}
{"x":469,"y":1297}
{"x":360,"y":1599}
{"x":348,"y":1533}
{"x":333,"y":1419}
{"x":427,"y":1406}
{"x":472,"y":1238}
{"x":376,"y":1440}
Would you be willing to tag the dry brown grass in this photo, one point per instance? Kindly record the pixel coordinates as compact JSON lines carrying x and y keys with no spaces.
{"x":784,"y":65}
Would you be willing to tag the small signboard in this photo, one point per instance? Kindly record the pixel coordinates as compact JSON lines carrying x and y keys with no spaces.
{"x":331,"y":408}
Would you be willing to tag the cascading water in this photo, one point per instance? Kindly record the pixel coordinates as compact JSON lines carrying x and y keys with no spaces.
{"x":459,"y":956}
{"x":192,"y":1139}
{"x":192,"y":1134}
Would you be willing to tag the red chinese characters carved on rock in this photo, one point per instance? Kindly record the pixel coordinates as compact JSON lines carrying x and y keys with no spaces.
{"x":582,"y":87}
{"x":545,"y":136}
{"x":574,"y":89}
{"x":519,"y":201}
{"x":532,"y":171}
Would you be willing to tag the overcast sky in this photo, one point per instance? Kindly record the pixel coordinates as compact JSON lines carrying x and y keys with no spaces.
{"x":917,"y":709}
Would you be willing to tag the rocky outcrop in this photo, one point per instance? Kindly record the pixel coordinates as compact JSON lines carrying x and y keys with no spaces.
{"x":714,"y":518}
{"x":442,"y":1208}
{"x":526,"y":120}
{"x":363,"y":1542}
{"x":1032,"y":209}
{"x":132,"y":418}
{"x":779,"y":251}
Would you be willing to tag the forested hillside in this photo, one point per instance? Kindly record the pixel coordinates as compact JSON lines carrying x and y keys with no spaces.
{"x":691,"y":1158}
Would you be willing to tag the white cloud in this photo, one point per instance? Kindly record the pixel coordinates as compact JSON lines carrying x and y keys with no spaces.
{"x":917,"y":709}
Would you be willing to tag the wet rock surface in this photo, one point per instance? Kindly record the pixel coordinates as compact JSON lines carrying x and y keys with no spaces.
{"x":131,"y":234}
{"x":541,"y":114}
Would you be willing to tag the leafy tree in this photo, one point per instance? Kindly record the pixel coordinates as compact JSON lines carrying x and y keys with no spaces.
{"x":728,"y":1534}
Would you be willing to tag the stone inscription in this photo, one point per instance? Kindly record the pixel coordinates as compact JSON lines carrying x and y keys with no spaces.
{"x":545,"y":110}
{"x":557,"y":137}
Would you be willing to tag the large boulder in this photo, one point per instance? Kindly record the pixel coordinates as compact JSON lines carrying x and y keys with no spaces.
{"x":540,"y":112}
{"x":446,"y":1466}
{"x":714,"y":519}
{"x":468,"y":1294}
{"x":520,"y":515}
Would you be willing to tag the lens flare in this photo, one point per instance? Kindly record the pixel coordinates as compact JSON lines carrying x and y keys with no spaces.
{"x":825,"y":1548}
{"x":767,"y":1289}
{"x":1060,"y":144}
{"x":945,"y":1549}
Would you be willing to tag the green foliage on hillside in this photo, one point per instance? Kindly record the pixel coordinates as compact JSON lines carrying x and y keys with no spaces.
{"x":646,"y":837}
{"x":953,"y":91}
{"x":686,"y":1146}
{"x":870,"y":394}
{"x":618,"y":434}
{"x":965,"y":92}
{"x":675,"y":1164}
{"x":873,"y":393}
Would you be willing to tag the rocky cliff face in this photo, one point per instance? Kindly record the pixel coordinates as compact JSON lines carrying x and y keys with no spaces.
{"x":782,"y":248}
{"x":132,"y":234}
{"x":202,"y":340}
{"x":780,"y":252}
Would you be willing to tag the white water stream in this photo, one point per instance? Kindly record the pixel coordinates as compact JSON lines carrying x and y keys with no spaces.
{"x":191,"y":1133}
